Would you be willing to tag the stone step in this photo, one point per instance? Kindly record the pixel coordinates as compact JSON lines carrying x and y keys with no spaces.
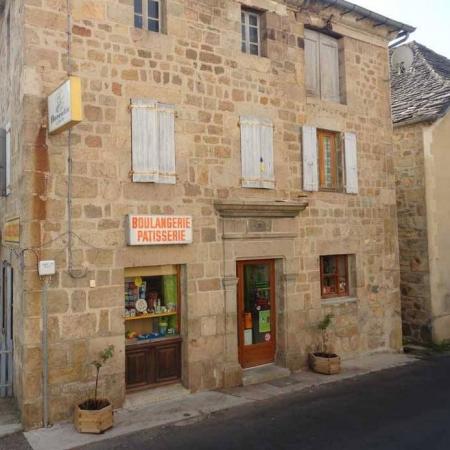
{"x":262,"y":374}
{"x":150,"y":396}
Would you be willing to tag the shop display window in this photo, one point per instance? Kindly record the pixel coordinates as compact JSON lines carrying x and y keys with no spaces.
{"x":151,"y":304}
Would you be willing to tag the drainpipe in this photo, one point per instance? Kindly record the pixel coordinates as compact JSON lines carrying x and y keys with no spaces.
{"x":44,"y":311}
{"x":403,"y":36}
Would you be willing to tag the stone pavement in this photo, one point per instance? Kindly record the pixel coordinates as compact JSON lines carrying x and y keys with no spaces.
{"x":178,"y":407}
{"x":9,"y":417}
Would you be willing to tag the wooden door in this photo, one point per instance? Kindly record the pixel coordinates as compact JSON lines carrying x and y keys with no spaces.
{"x":256,"y":312}
{"x":167,"y":362}
{"x":137,"y":365}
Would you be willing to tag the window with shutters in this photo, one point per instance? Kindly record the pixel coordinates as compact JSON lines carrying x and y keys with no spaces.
{"x":148,"y":15}
{"x":329,"y":161}
{"x":153,"y":141}
{"x":334,"y":276}
{"x":257,"y":152}
{"x":331,"y":165}
{"x":251,"y":31}
{"x":323,"y":74}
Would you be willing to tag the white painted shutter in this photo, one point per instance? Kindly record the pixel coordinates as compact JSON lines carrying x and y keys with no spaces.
{"x":351,"y":163}
{"x":2,"y":164}
{"x":266,"y":157}
{"x":312,"y":71}
{"x":8,"y":161}
{"x":250,"y":151}
{"x":145,"y":140}
{"x":166,"y":117}
{"x":329,"y":68}
{"x":257,"y":152}
{"x":310,"y":163}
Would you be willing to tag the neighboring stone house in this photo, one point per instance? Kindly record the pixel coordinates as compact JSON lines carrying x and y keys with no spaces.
{"x":230,"y":183}
{"x":420,"y":105}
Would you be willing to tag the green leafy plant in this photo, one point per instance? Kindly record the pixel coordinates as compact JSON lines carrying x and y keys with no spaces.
{"x":95,"y":403}
{"x":323,"y":326}
{"x":441,"y":347}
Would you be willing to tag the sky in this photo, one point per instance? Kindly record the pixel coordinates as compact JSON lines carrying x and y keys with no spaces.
{"x":430,"y":17}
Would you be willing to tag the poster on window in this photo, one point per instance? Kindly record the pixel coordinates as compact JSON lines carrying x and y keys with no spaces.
{"x":264,"y":321}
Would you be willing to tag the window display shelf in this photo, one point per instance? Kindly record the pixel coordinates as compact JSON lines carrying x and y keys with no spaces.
{"x":151,"y":316}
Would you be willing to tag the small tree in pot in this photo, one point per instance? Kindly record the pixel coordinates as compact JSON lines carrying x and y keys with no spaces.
{"x":95,"y":415}
{"x":324,"y":361}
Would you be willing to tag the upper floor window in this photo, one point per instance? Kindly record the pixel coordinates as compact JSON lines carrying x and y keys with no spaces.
{"x":329,"y":161}
{"x":148,"y":14}
{"x":251,"y":32}
{"x":152,"y":141}
{"x":322,"y":71}
{"x":257,"y":152}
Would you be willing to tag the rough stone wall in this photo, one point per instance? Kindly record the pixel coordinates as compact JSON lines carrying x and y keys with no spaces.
{"x":413,"y":240}
{"x":198,"y":66}
{"x":12,"y":111}
{"x":437,"y":161}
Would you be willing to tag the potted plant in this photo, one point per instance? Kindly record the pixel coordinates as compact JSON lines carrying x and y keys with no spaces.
{"x":324,"y":361}
{"x":95,"y":415}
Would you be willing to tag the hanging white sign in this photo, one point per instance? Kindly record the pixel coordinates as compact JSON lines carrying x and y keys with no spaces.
{"x":64,"y":106}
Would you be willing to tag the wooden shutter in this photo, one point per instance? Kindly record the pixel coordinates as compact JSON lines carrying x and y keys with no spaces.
{"x":166,"y":119}
{"x":266,"y":158}
{"x":312,"y":71}
{"x":145,"y":140}
{"x":2,"y":162}
{"x":8,"y":161}
{"x":257,"y":152}
{"x":309,"y":151}
{"x":329,"y":68}
{"x":351,"y":164}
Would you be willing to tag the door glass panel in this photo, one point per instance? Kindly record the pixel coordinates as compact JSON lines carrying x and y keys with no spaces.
{"x":257,"y":304}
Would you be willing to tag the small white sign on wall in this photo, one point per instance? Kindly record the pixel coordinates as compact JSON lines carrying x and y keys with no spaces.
{"x":47,"y":268}
{"x":159,"y":230}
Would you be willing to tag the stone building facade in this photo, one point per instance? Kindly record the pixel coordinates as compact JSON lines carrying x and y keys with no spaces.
{"x":420,"y":101}
{"x":196,"y":64}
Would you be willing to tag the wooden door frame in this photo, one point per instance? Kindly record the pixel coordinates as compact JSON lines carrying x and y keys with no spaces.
{"x":240,"y":264}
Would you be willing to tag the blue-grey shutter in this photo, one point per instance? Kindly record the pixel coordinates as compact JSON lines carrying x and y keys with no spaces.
{"x":312,"y":57}
{"x":2,"y":162}
{"x":166,"y":120}
{"x":310,"y":163}
{"x":329,"y":68}
{"x":145,"y":140}
{"x":351,"y":163}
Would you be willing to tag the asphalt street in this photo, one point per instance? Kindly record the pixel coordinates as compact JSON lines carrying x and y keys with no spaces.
{"x":401,"y":408}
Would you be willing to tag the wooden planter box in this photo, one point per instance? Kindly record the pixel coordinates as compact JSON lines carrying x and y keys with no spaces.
{"x":90,"y":421}
{"x":323,"y":364}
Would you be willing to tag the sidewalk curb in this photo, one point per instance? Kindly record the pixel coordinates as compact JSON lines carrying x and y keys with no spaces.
{"x":199,"y":406}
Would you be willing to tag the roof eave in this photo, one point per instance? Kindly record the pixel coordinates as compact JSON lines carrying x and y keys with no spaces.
{"x":348,"y":7}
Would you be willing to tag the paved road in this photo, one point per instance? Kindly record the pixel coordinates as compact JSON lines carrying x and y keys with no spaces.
{"x":403,"y":408}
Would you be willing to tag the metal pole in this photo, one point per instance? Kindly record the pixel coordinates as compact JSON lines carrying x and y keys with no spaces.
{"x":44,"y":354}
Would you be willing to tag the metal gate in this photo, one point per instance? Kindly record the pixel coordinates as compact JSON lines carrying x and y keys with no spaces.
{"x":6,"y":330}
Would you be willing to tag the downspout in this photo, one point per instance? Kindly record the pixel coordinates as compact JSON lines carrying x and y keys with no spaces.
{"x":403,"y":36}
